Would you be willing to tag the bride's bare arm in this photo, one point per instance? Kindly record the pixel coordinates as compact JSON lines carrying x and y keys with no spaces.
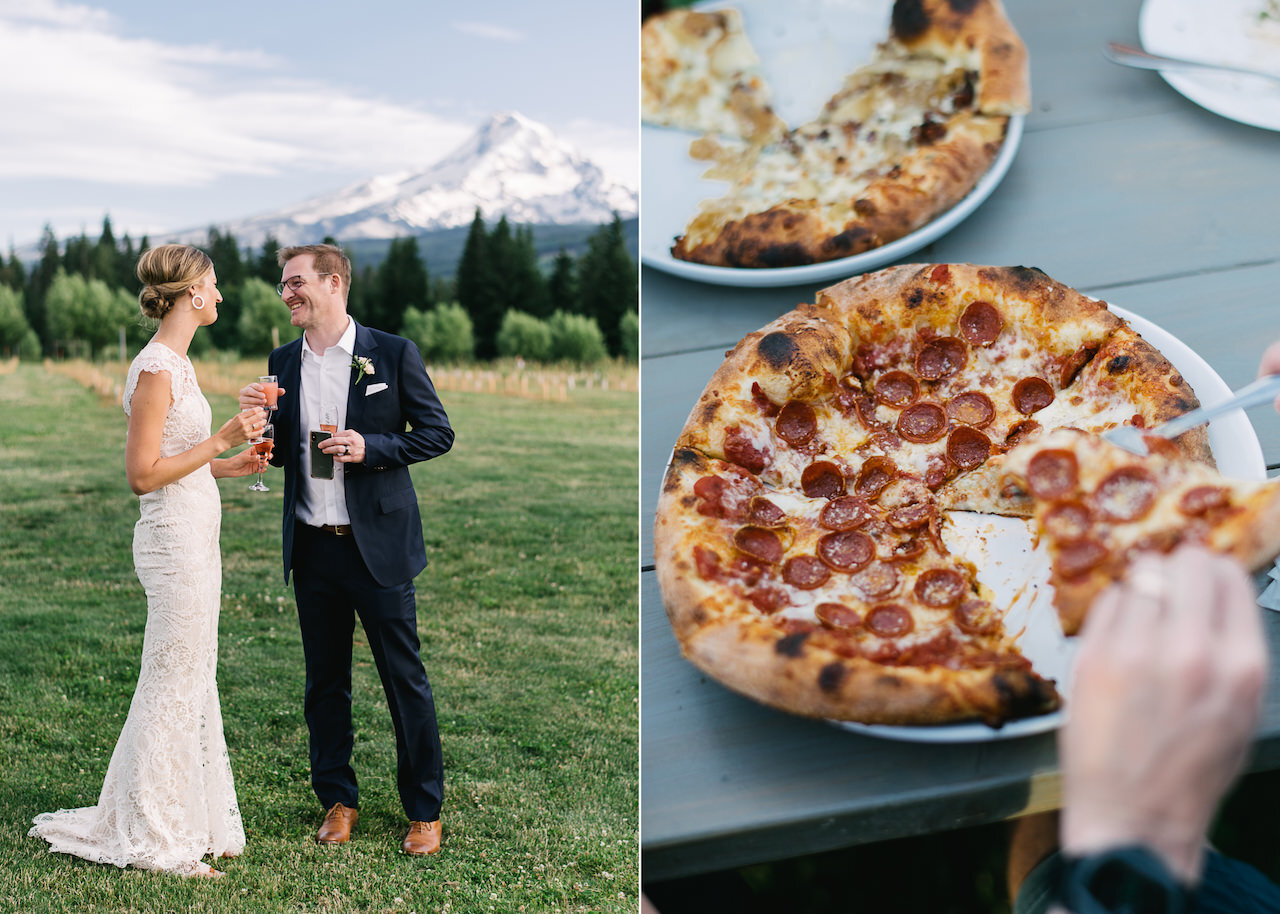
{"x":144,"y":467}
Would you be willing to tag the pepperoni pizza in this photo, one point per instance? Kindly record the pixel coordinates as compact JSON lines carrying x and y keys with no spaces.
{"x":799,"y":535}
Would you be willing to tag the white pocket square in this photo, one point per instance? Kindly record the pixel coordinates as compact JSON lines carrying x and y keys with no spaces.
{"x":374,"y":388}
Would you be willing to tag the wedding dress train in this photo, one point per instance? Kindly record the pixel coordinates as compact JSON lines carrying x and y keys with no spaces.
{"x":168,"y":797}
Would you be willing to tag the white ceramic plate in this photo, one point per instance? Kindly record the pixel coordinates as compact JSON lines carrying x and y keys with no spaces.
{"x":806,"y":49}
{"x":1002,"y":548}
{"x":1219,"y":31}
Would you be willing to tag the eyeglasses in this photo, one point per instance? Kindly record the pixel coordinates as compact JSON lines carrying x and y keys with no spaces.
{"x":294,"y":283}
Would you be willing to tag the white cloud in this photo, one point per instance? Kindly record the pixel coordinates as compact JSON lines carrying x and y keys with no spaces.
{"x":84,"y":102}
{"x":490,"y":31}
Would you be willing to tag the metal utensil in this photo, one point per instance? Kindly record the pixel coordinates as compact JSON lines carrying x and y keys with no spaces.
{"x":1129,"y":56}
{"x":1263,"y":390}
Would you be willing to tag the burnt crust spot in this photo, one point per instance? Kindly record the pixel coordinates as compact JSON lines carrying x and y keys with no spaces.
{"x":909,"y":19}
{"x":1118,"y":364}
{"x":792,"y":645}
{"x":777,"y":349}
{"x":831,"y":675}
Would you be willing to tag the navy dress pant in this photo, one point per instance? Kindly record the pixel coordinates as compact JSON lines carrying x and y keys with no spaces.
{"x":332,"y":586}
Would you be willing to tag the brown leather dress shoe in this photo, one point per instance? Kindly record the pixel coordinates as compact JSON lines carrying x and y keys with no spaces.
{"x":337,"y":825}
{"x":423,"y":838}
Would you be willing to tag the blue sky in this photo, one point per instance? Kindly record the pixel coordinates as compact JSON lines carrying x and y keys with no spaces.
{"x":172,"y":115}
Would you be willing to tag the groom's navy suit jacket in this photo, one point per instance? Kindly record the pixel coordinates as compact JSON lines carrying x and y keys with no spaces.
{"x":402,"y":423}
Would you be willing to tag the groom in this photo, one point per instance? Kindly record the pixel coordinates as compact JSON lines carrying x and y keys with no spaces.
{"x":352,"y":532}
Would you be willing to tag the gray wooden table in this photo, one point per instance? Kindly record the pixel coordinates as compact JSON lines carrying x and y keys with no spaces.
{"x":1121,"y":188}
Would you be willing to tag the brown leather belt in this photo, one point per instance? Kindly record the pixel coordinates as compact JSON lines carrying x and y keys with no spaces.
{"x":336,"y":529}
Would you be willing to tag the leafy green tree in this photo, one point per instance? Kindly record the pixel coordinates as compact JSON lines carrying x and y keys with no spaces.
{"x":525,"y":336}
{"x":13,"y":321}
{"x":608,"y":282}
{"x":443,"y":334}
{"x":576,"y":338}
{"x":401,"y":283}
{"x":629,"y":336}
{"x":261,"y":312}
{"x":88,"y":311}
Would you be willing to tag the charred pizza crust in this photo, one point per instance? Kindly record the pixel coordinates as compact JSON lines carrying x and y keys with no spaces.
{"x":892,"y":399}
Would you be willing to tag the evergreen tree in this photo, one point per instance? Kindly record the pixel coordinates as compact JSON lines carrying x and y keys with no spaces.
{"x":562,"y":286}
{"x":230,"y":270}
{"x":13,"y":274}
{"x":76,"y":256}
{"x":265,"y":266}
{"x":526,"y":287}
{"x":39,"y":282}
{"x":608,"y":282}
{"x":126,"y":267}
{"x":477,"y":288}
{"x":104,"y":256}
{"x":401,"y":283}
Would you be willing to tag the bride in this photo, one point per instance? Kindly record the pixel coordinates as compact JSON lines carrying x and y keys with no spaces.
{"x":168,"y":798}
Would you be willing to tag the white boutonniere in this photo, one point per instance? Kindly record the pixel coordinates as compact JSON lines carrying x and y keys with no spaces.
{"x":363,"y":365}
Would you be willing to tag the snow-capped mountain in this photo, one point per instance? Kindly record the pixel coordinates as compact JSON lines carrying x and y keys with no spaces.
{"x":511,"y":166}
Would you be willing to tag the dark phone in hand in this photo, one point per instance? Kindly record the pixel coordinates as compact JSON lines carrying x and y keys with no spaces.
{"x":321,"y":463}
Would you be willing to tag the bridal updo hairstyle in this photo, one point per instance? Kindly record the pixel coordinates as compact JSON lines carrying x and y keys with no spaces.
{"x":166,"y":273}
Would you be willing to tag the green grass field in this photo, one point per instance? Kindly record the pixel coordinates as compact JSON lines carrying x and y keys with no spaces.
{"x":527,"y":614}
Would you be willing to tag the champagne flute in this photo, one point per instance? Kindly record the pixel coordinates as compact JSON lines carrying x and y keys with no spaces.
{"x":329,"y":420}
{"x":263,"y":444}
{"x":271,"y":389}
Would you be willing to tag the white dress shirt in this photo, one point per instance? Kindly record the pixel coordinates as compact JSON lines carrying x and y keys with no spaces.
{"x":325,"y":379}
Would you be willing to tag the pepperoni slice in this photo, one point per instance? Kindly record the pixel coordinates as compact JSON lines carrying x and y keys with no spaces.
{"x":1203,"y":499}
{"x":1079,"y":556}
{"x":906,"y":550}
{"x":1030,"y":395}
{"x":968,"y":448}
{"x":1068,"y":520}
{"x":765,"y":513}
{"x":1126,"y":494}
{"x":707,"y":562}
{"x":1021,"y":432}
{"x":758,"y":543}
{"x":838,"y":616}
{"x":846,"y":550}
{"x":874,"y":475}
{"x":981,"y":323}
{"x":845,"y":513}
{"x":971,"y":408}
{"x":941,"y":358}
{"x":889,"y":620}
{"x":910,"y":517}
{"x":822,"y":479}
{"x":897,"y":388}
{"x":876,"y":580}
{"x":797,"y":423}
{"x":940,"y":587}
{"x":739,"y":449}
{"x":975,"y":617}
{"x":805,"y":572}
{"x":922,"y":422}
{"x":940,"y":274}
{"x":1052,"y":473}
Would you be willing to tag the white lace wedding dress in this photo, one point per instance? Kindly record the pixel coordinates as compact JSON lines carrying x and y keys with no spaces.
{"x":168,"y":798}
